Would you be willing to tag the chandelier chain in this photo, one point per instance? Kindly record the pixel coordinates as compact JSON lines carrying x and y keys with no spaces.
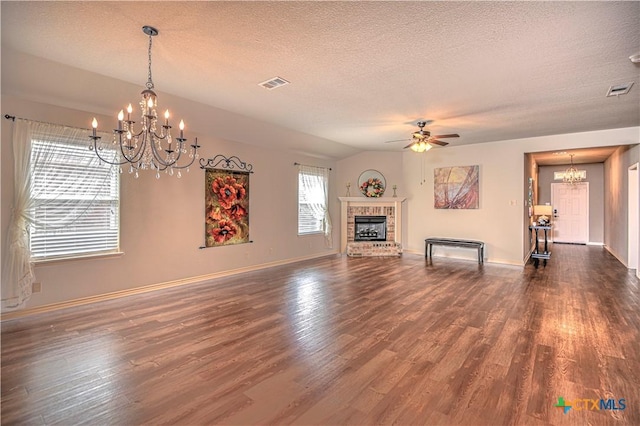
{"x":150,"y":80}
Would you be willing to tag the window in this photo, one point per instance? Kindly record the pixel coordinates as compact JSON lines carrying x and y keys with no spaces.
{"x":313,"y":184}
{"x":74,"y":198}
{"x":582,"y":174}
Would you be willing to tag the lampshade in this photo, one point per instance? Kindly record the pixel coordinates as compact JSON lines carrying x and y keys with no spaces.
{"x":543,"y":210}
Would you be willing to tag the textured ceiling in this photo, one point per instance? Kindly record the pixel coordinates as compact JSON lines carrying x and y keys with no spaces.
{"x":360,"y":72}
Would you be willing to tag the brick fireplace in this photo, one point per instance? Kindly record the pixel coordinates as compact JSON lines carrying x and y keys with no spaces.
{"x":388,"y":207}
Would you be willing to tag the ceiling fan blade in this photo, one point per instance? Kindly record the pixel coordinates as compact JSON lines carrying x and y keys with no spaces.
{"x":452,"y":135}
{"x":437,"y":142}
{"x":397,"y":140}
{"x":412,"y":143}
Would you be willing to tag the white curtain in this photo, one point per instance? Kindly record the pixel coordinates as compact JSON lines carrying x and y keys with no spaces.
{"x":315,"y":182}
{"x":17,"y":266}
{"x":17,"y":269}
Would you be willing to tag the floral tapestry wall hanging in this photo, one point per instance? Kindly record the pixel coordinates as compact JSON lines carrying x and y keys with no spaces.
{"x":226,"y":207}
{"x":456,"y":187}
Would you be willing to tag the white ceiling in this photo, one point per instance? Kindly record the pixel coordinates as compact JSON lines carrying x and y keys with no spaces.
{"x":360,"y":72}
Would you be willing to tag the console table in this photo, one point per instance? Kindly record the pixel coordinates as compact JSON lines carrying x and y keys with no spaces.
{"x":536,"y":255}
{"x":453,"y":242}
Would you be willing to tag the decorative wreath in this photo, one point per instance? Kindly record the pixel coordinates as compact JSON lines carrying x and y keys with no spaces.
{"x":372,"y":187}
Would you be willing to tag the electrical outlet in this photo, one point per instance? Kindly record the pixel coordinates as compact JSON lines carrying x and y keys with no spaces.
{"x":36,"y":287}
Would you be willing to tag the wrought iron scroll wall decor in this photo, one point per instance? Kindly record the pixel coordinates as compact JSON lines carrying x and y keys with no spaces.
{"x":226,"y":200}
{"x":229,"y":163}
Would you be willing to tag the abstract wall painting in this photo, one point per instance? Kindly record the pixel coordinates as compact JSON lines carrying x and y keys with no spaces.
{"x":226,"y":207}
{"x":456,"y":187}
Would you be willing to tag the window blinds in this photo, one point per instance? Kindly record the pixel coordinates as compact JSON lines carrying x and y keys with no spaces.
{"x":312,"y":203}
{"x":74,"y":200}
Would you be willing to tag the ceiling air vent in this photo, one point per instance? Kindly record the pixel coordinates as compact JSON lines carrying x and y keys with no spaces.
{"x":274,"y":83}
{"x":619,"y":89}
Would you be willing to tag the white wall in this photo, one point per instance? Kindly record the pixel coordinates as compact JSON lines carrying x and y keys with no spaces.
{"x":162,"y":221}
{"x":497,"y":222}
{"x":387,"y":163}
{"x":616,"y":200}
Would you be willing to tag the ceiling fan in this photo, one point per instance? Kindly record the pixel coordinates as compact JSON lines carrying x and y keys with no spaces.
{"x":422,"y":140}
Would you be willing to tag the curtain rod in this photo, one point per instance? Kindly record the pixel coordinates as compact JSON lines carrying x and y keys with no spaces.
{"x":14,"y":118}
{"x":307,"y":165}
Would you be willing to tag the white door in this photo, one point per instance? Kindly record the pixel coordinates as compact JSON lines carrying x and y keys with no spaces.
{"x":570,"y":212}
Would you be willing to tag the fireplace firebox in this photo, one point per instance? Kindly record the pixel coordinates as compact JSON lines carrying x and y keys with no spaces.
{"x":370,"y":228}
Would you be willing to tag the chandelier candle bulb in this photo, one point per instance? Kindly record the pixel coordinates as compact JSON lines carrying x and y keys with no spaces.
{"x":166,"y":118}
{"x":129,"y":111}
{"x":181,"y":129}
{"x":120,"y":118}
{"x":94,"y":124}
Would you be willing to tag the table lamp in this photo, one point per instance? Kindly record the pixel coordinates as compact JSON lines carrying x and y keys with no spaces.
{"x":544,"y":212}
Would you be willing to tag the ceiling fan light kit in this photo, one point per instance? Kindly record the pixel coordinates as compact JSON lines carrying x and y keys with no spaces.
{"x":422,"y":140}
{"x":420,"y":146}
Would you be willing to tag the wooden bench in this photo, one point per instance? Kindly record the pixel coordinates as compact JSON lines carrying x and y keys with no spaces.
{"x":453,"y":242}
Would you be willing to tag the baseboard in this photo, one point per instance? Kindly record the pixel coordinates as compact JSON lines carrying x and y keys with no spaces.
{"x":474,"y":259}
{"x":595,"y":244}
{"x":153,"y":287}
{"x":411,"y":251}
{"x":527,"y":258}
{"x":624,"y":262}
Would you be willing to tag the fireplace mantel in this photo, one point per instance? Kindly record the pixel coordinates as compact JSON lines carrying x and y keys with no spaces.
{"x":346,"y":202}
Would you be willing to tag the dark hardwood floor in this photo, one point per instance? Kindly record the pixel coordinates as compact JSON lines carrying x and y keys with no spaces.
{"x":342,"y":341}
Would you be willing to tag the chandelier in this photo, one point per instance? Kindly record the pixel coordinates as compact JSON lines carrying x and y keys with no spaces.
{"x":572,"y":175}
{"x":146,"y":149}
